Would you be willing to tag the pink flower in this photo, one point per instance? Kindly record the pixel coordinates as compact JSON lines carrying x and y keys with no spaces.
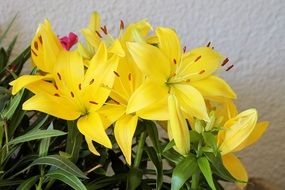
{"x":68,"y":41}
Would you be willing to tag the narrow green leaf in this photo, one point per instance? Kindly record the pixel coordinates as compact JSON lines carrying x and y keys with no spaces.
{"x":68,"y":179}
{"x":44,"y":145}
{"x":61,"y":163}
{"x":153,"y":135}
{"x":35,"y":135}
{"x":10,"y":182}
{"x":10,"y":47}
{"x":168,"y":146}
{"x":183,"y":171}
{"x":210,"y":139}
{"x":195,"y":137}
{"x":8,"y":113}
{"x":158,"y":165}
{"x":173,"y":156}
{"x":3,"y":58}
{"x":134,"y":178}
{"x":218,"y":167}
{"x":205,"y":168}
{"x":7,"y":29}
{"x":29,"y":183}
{"x":74,"y":141}
{"x":103,"y":182}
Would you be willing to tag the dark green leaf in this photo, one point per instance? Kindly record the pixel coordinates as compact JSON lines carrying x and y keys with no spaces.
{"x":13,"y":105}
{"x":61,"y":163}
{"x":195,"y":137}
{"x":173,"y":156}
{"x":10,"y":182}
{"x":218,"y":167}
{"x":158,"y":165}
{"x":11,"y":46}
{"x":134,"y":178}
{"x":210,"y":139}
{"x":169,"y":145}
{"x":3,"y":58}
{"x":74,"y":141}
{"x":105,"y":181}
{"x":153,"y":135}
{"x":67,"y":178}
{"x":183,"y":171}
{"x":29,"y":183}
{"x":35,"y":135}
{"x":205,"y":168}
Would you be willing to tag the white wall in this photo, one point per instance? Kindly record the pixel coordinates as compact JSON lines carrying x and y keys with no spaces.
{"x":250,"y":33}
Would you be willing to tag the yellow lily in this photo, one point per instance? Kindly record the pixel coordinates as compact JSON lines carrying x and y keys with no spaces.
{"x":170,"y":72}
{"x":128,"y":79}
{"x":75,"y":93}
{"x":45,"y":48}
{"x":94,"y":34}
{"x":239,"y":131}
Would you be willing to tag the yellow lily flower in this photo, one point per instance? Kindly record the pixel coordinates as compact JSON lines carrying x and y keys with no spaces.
{"x":45,"y":48}
{"x":94,"y":34}
{"x":75,"y":93}
{"x":170,"y":72}
{"x":128,"y":79}
{"x":239,"y":132}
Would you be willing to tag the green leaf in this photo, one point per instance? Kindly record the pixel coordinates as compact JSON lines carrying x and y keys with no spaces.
{"x":218,"y":167}
{"x":158,"y":165}
{"x":10,"y":182}
{"x":183,"y":171}
{"x":61,"y":163}
{"x":74,"y":141}
{"x":103,"y":182}
{"x":168,"y":146}
{"x":8,"y":113}
{"x":173,"y":156}
{"x":29,"y":183}
{"x":134,"y":178}
{"x":3,"y":58}
{"x":68,"y":179}
{"x":153,"y":135}
{"x":35,"y":135}
{"x":11,"y":46}
{"x":205,"y":168}
{"x":195,"y":137}
{"x":210,"y":139}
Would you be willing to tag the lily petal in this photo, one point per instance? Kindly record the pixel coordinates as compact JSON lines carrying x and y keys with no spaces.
{"x":53,"y":105}
{"x":91,"y":147}
{"x":147,"y":94}
{"x":157,"y":111}
{"x":124,"y":131}
{"x":236,"y":169}
{"x":150,"y":60}
{"x":237,"y":130}
{"x":199,"y":63}
{"x":169,"y":44}
{"x":92,"y":127}
{"x":191,"y":101}
{"x":111,"y":113}
{"x":178,"y":126}
{"x":214,"y":88}
{"x":258,"y":131}
{"x":25,"y":80}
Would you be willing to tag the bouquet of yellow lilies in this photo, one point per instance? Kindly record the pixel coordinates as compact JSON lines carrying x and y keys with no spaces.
{"x":114,"y":98}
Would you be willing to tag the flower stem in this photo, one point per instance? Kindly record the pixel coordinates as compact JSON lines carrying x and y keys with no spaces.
{"x":140,"y":150}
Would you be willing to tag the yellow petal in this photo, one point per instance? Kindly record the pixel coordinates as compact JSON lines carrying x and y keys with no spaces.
{"x":124,"y":131}
{"x":91,"y":146}
{"x":199,"y":63}
{"x":45,"y":47}
{"x":147,"y":94}
{"x":178,"y":126}
{"x":92,"y":127}
{"x":150,"y":60}
{"x":214,"y":88}
{"x":169,"y":44}
{"x":236,"y":169}
{"x":117,"y":49}
{"x":237,"y":130}
{"x":111,"y":113}
{"x":94,"y":22}
{"x":142,"y":27}
{"x":157,"y":111}
{"x":25,"y":80}
{"x":91,"y":37}
{"x":191,"y":101}
{"x":53,"y":105}
{"x":258,"y":131}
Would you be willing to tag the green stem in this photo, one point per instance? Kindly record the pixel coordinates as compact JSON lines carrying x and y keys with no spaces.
{"x":6,"y":135}
{"x":140,"y":150}
{"x":195,"y":181}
